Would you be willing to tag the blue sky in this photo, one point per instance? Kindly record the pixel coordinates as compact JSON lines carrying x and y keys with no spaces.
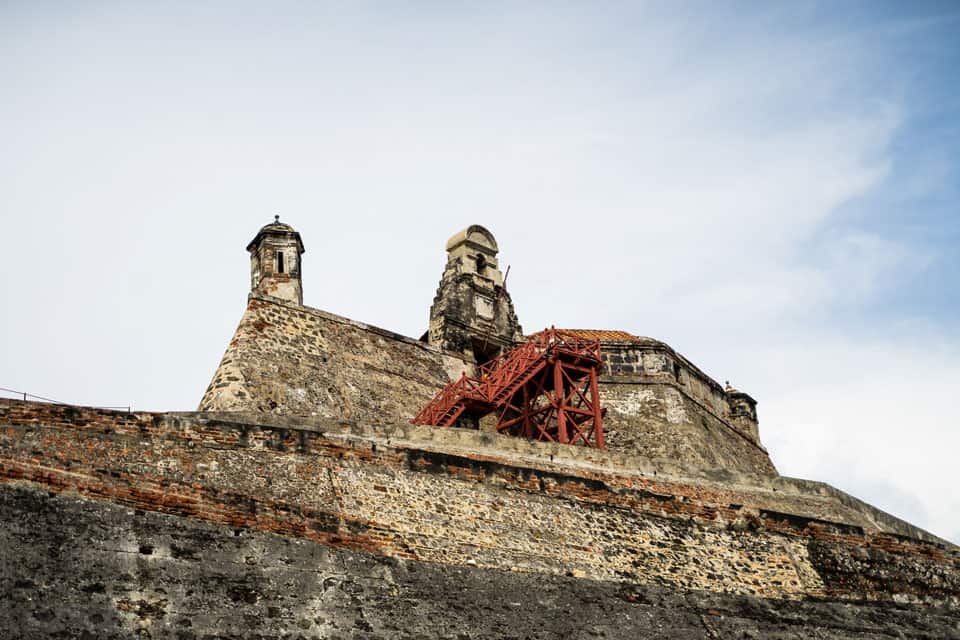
{"x":918,"y":202}
{"x":770,"y":188}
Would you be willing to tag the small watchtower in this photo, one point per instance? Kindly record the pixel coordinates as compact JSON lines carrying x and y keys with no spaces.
{"x":275,"y":262}
{"x":743,"y":413}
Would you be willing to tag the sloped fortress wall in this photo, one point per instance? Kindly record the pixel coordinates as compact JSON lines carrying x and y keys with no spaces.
{"x":287,"y":359}
{"x":662,"y":407}
{"x":209,"y":525}
{"x":290,"y":360}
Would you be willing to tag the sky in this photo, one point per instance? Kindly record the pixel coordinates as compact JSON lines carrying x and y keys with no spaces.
{"x":770,"y":188}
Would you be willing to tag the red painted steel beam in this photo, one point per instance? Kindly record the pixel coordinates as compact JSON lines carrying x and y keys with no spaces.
{"x":545,"y":389}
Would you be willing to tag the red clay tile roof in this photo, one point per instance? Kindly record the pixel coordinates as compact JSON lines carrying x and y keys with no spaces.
{"x":600,"y":334}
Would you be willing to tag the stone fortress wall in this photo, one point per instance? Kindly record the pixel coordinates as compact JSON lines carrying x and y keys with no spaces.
{"x":660,"y":406}
{"x":647,"y":360}
{"x":300,"y":503}
{"x":288,"y":359}
{"x":291,"y":360}
{"x":454,"y":499}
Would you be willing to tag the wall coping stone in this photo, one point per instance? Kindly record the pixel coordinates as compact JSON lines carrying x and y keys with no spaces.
{"x":517,"y":452}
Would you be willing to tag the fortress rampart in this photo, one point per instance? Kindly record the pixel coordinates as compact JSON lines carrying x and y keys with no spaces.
{"x":291,"y":360}
{"x":454,"y":498}
{"x":287,"y":359}
{"x":661,"y":406}
{"x":300,"y":502}
{"x":426,"y":493}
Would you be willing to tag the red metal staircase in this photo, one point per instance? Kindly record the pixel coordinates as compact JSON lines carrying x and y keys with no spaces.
{"x":545,"y":389}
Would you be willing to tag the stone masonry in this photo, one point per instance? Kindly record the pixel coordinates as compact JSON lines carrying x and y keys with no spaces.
{"x":289,"y":359}
{"x":300,"y":503}
{"x":275,"y":255}
{"x":472,"y":312}
{"x":219,"y":525}
{"x":661,"y":406}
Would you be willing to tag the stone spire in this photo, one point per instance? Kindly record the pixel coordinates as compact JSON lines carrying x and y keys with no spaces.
{"x":472,"y":312}
{"x":275,"y":262}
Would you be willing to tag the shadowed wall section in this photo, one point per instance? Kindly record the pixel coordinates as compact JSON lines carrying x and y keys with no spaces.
{"x":95,"y":570}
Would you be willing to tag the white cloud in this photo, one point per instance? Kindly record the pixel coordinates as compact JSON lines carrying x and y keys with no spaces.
{"x":873,"y":418}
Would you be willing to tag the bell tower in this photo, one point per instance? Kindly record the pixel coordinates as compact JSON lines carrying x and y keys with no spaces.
{"x":275,"y":262}
{"x":472,"y":312}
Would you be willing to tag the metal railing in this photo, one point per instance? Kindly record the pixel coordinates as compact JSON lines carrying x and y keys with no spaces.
{"x":31,"y":397}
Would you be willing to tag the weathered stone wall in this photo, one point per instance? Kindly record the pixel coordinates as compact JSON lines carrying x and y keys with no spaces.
{"x":646,"y":360}
{"x":463,"y":498}
{"x":286,"y":359}
{"x":284,"y":286}
{"x":662,"y":407}
{"x":86,"y":569}
{"x":658,"y":421}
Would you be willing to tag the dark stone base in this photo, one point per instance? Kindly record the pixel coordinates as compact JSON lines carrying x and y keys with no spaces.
{"x":76,"y":568}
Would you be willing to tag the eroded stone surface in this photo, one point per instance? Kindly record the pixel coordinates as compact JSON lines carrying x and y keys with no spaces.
{"x":286,"y":359}
{"x":474,"y":499}
{"x":78,"y":568}
{"x":290,"y":360}
{"x":472,"y":313}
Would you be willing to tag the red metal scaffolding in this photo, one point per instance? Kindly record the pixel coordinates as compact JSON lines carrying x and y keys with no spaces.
{"x":545,"y":389}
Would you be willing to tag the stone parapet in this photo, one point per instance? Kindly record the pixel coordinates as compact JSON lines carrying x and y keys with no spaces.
{"x":464,"y":498}
{"x":645,"y":360}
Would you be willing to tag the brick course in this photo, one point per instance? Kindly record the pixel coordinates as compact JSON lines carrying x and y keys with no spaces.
{"x":459,"y":499}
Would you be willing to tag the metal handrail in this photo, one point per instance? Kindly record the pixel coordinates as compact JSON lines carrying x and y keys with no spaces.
{"x":30,"y":397}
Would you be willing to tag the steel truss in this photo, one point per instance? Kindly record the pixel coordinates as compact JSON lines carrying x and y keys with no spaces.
{"x":546,"y":389}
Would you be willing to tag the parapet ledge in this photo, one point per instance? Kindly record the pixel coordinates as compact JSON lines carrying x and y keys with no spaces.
{"x":766,"y":496}
{"x":879,"y":520}
{"x":653,"y":344}
{"x":581,"y":461}
{"x":474,"y":443}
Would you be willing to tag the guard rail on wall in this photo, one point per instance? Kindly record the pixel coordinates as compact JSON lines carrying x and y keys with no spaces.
{"x":29,"y":397}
